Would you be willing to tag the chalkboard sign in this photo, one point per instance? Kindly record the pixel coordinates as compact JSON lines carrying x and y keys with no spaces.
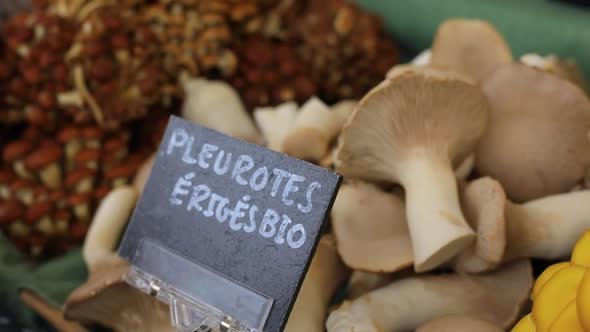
{"x":248,"y":213}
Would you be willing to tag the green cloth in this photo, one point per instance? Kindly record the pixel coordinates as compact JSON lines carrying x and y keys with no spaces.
{"x":539,"y":26}
{"x":53,"y":281}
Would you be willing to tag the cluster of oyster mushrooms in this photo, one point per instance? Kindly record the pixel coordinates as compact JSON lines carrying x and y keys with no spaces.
{"x":458,"y":171}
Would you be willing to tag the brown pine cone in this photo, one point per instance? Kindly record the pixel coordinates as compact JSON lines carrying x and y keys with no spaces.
{"x":36,"y":73}
{"x":271,"y":72}
{"x":346,"y":48}
{"x":50,"y":185}
{"x":115,"y":68}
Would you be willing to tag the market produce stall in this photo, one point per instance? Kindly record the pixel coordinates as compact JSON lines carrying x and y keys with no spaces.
{"x":462,"y":131}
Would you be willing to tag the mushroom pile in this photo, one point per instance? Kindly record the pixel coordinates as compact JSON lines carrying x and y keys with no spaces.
{"x":459,"y":168}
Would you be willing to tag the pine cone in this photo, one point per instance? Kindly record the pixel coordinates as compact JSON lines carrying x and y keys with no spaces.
{"x":346,"y":48}
{"x":51,"y":185}
{"x":271,"y":72}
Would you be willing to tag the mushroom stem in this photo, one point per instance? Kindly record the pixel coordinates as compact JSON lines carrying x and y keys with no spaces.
{"x":432,"y":206}
{"x":325,"y":275}
{"x":548,"y":227}
{"x":51,"y":176}
{"x":406,"y":304}
{"x":21,"y":170}
{"x":110,"y":219}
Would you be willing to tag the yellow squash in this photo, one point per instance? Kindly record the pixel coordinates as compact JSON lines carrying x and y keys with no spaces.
{"x":561,"y":295}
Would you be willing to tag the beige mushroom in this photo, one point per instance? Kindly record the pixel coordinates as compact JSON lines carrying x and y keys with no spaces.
{"x":106,"y":298}
{"x":567,"y":69}
{"x":458,"y":323}
{"x":545,"y":228}
{"x":465,"y":168}
{"x":325,"y":275}
{"x":362,"y":282}
{"x":471,"y":47}
{"x":274,"y":123}
{"x":408,"y":303}
{"x":483,"y":202}
{"x":411,"y":129}
{"x":215,"y":104}
{"x":314,"y":128}
{"x":370,"y":228}
{"x":536,"y":143}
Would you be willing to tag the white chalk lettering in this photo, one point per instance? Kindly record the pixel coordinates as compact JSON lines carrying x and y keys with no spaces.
{"x":291,"y":233}
{"x":186,"y":156}
{"x":280,"y":175}
{"x":200,"y":194}
{"x":238,"y":213}
{"x":217,"y":168}
{"x":221,"y":213}
{"x":178,"y":139}
{"x":268,"y":226}
{"x":206,"y":154}
{"x":312,"y":186}
{"x":280,"y":238}
{"x":290,"y":187}
{"x":210,"y":208}
{"x":240,"y":168}
{"x":257,"y":185}
{"x":252,"y":216}
{"x":179,"y":190}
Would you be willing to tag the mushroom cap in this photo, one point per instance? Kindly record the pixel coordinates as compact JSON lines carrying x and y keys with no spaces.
{"x":371,"y":229}
{"x":537,"y":140}
{"x":471,"y":47}
{"x":484,"y":202}
{"x":416,"y":110}
{"x":19,"y":184}
{"x":458,"y":323}
{"x":43,"y":156}
{"x":78,"y":175}
{"x":6,"y":175}
{"x":10,"y":211}
{"x":16,"y":150}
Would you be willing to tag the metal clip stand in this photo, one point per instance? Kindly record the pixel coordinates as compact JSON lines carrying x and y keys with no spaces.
{"x":200,"y":300}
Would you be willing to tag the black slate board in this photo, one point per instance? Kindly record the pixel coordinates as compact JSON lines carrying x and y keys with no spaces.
{"x":274,"y":270}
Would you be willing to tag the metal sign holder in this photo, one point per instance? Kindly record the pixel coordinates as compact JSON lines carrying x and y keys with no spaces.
{"x":200,"y":299}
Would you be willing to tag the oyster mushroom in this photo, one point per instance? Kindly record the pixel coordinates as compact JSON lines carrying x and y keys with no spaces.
{"x":45,"y":161}
{"x":483,"y":202}
{"x":408,"y":303}
{"x":274,"y":123}
{"x":564,"y":68}
{"x":314,"y":128}
{"x":217,"y":105}
{"x":537,"y":141}
{"x":14,"y":153}
{"x":370,"y":228}
{"x":458,"y":323}
{"x":106,"y":298}
{"x":471,"y":47}
{"x":325,"y":274}
{"x":362,"y":282}
{"x":545,"y":228}
{"x":411,"y":129}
